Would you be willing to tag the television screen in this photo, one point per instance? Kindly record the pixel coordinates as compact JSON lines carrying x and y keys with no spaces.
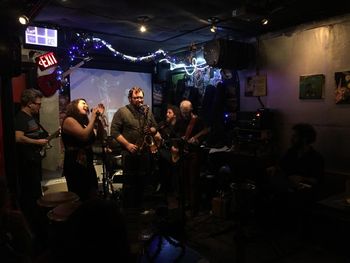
{"x":41,"y":36}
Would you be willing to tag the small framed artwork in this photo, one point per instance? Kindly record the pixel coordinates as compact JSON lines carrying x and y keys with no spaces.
{"x":311,"y":87}
{"x":342,"y":87}
{"x":255,"y":86}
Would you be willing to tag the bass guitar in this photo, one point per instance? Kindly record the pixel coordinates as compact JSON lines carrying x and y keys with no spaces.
{"x":50,"y":83}
{"x":44,"y":148}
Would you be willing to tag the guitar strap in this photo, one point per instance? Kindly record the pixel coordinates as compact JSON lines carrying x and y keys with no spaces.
{"x":190,"y":127}
{"x":41,"y":127}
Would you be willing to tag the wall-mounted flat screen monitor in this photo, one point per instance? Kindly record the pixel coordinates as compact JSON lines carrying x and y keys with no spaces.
{"x":41,"y":36}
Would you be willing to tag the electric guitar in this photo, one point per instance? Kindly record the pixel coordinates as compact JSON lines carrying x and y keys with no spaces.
{"x":50,"y":83}
{"x":44,"y":148}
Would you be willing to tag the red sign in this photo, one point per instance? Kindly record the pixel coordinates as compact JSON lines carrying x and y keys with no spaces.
{"x":46,"y":61}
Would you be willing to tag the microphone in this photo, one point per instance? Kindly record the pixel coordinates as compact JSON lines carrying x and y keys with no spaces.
{"x":144,"y":109}
{"x":97,"y":113}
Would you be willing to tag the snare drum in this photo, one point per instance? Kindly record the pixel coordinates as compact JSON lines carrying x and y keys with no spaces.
{"x":52,"y":200}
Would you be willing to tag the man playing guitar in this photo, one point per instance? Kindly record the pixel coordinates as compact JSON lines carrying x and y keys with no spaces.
{"x":30,"y":138}
{"x":193,"y":132}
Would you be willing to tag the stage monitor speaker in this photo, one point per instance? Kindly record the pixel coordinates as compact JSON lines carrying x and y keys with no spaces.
{"x":10,"y":56}
{"x":229,"y":54}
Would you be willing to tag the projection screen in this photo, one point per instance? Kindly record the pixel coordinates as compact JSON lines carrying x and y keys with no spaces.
{"x":109,"y":87}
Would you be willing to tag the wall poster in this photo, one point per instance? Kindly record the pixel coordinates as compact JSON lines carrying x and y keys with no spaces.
{"x":342,"y":87}
{"x":311,"y":86}
{"x":255,"y":86}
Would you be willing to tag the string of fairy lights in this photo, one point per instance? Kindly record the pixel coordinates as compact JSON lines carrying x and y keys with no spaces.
{"x":84,"y":44}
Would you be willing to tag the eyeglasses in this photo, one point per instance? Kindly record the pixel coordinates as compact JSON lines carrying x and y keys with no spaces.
{"x":137,"y":98}
{"x":37,"y":103}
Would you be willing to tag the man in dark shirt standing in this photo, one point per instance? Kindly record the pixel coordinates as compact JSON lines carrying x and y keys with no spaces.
{"x":30,"y":138}
{"x":132,"y":126}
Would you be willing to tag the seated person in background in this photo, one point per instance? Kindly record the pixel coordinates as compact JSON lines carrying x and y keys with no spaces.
{"x":302,"y":165}
{"x":296,"y":180}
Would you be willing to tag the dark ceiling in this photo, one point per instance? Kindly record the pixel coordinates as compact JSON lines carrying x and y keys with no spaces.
{"x":176,"y":24}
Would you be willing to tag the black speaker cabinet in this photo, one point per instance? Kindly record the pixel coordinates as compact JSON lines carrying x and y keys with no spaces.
{"x":162,"y":71}
{"x":222,"y":53}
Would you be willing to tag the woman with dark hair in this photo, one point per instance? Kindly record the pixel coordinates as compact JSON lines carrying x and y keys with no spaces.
{"x":78,"y":137}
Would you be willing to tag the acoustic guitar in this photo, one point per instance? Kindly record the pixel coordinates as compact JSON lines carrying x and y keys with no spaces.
{"x":49,"y":84}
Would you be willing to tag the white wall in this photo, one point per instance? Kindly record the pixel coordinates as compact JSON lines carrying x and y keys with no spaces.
{"x":321,"y":48}
{"x":49,"y":120}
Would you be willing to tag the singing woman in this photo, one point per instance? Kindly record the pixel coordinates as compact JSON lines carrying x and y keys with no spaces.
{"x":78,"y":137}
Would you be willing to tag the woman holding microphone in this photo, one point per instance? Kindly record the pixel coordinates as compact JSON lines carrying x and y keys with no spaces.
{"x":78,"y":137}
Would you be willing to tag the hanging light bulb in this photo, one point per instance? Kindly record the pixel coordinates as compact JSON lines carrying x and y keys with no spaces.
{"x":213,"y":21}
{"x":213,"y":29}
{"x":143,"y":28}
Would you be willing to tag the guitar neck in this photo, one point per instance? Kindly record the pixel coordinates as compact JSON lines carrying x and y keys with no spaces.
{"x":54,"y":135}
{"x":70,"y":70}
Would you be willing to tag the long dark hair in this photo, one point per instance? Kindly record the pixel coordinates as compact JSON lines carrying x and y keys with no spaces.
{"x":73,"y":111}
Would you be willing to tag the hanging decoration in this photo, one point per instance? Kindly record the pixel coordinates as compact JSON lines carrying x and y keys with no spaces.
{"x":84,"y":43}
{"x":196,"y":64}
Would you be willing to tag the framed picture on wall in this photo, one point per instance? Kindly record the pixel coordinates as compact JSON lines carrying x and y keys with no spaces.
{"x":255,"y":86}
{"x":342,"y":87}
{"x":311,"y":86}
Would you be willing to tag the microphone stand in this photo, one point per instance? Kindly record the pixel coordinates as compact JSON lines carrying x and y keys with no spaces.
{"x":105,"y":172}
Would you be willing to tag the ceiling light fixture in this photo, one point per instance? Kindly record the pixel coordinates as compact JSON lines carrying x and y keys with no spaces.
{"x":213,"y":21}
{"x":23,"y":20}
{"x":143,"y":20}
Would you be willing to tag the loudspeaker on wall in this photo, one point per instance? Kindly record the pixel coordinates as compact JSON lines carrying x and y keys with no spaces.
{"x":162,"y":71}
{"x":230,"y":54}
